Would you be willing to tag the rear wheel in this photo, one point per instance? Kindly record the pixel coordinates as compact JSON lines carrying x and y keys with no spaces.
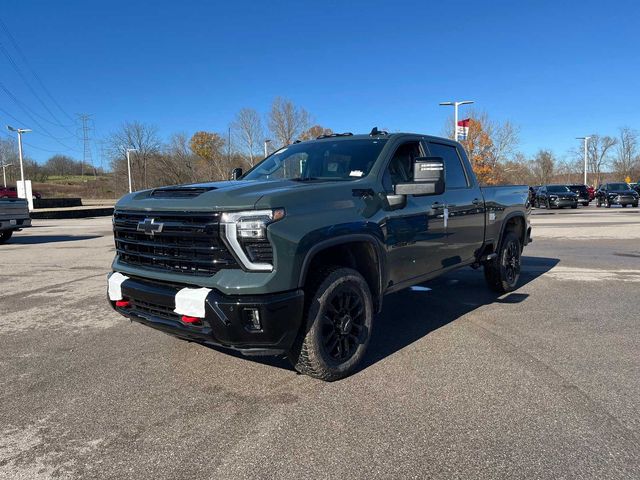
{"x":337,"y":325}
{"x":503,"y":273}
{"x":5,"y":236}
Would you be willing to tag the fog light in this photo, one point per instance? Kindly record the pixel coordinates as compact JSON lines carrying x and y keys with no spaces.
{"x":252,"y":319}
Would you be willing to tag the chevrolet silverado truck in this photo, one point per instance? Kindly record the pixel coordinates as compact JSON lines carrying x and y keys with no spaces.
{"x":14,"y":215}
{"x":296,"y":256}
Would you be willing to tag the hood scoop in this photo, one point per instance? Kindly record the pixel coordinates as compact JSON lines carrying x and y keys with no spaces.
{"x":179,"y":192}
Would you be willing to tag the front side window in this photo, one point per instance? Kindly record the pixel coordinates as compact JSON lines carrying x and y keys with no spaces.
{"x":400,"y":168}
{"x":320,"y":160}
{"x":454,"y":175}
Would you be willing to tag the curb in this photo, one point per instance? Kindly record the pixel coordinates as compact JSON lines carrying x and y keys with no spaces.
{"x":80,"y":213}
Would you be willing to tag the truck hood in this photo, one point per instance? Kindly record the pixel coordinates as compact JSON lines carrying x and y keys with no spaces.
{"x":218,"y":196}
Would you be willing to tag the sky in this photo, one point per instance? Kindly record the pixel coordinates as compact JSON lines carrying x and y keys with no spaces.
{"x":557,"y":70}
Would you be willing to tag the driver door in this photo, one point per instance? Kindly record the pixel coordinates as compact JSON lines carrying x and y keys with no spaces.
{"x":415,"y":234}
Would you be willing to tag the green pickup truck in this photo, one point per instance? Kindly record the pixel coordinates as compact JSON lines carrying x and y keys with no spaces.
{"x":14,"y":216}
{"x":295,"y":256}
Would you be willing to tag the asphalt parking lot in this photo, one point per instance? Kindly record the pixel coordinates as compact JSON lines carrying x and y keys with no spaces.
{"x":458,"y":383}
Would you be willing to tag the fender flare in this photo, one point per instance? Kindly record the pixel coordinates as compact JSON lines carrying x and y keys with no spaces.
{"x":504,"y":226}
{"x":343,"y":239}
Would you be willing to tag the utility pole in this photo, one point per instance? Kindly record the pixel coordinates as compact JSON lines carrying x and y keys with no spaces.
{"x":455,"y":114}
{"x":20,"y":131}
{"x":586,"y":139}
{"x":86,"y":153}
{"x":129,"y":150}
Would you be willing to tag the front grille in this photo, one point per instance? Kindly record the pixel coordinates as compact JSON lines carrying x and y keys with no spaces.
{"x":188,"y":243}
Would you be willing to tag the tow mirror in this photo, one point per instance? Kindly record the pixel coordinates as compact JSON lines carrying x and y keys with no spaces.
{"x":236,"y":173}
{"x":428,"y":178}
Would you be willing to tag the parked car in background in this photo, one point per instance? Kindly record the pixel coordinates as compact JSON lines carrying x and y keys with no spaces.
{"x":14,"y":215}
{"x":558,"y":196}
{"x":636,"y":187}
{"x":583,"y":193}
{"x":592,"y":192}
{"x":12,"y":192}
{"x":619,"y":193}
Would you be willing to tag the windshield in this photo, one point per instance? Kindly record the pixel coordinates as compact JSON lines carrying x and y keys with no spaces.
{"x":557,"y":189}
{"x":618,"y":187}
{"x":322,"y":160}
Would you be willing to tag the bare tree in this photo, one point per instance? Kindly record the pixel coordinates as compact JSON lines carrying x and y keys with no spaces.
{"x":627,"y":161}
{"x":248,"y":132}
{"x":543,"y":166}
{"x":177,"y":164}
{"x":144,"y":139}
{"x":598,"y":150}
{"x":286,"y":121}
{"x":314,"y":132}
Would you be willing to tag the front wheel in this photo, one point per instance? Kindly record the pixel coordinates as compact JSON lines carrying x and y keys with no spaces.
{"x":548,"y":204}
{"x":5,"y":236}
{"x":503,"y":273}
{"x":574,"y":206}
{"x":337,"y":325}
{"x":634,"y":204}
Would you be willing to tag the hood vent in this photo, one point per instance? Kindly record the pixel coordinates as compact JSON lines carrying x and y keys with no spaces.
{"x":180,"y":192}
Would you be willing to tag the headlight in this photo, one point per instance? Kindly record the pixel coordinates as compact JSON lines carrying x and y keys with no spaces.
{"x":553,"y":197}
{"x":243,"y":228}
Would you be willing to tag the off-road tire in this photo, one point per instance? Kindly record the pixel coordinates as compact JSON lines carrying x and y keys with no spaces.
{"x":310,"y":354}
{"x":5,"y":236}
{"x":496,"y":272}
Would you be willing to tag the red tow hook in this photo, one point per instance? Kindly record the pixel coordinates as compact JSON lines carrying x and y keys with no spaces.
{"x":191,"y":320}
{"x":123,"y":303}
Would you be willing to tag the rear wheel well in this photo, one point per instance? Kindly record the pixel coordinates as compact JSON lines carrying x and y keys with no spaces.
{"x":361,"y":256}
{"x":517,"y":225}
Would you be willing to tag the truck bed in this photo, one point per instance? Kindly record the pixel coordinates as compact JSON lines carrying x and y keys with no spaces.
{"x":14,"y":214}
{"x":500,"y":203}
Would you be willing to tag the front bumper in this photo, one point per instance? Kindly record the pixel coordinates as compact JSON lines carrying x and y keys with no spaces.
{"x":227,"y":321}
{"x":561,"y":202}
{"x":622,"y":200}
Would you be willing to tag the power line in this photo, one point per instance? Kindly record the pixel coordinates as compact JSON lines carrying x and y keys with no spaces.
{"x":33,"y":72}
{"x":27,"y":111}
{"x":35,"y":94}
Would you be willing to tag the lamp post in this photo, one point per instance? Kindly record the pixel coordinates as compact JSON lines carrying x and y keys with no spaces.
{"x":129,"y":150}
{"x":455,"y":114}
{"x":4,"y":173}
{"x":586,"y":139}
{"x":266,"y":142}
{"x":20,"y":131}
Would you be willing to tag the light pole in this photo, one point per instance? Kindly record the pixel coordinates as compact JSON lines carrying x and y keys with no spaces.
{"x":586,"y":139}
{"x":20,"y":131}
{"x":455,"y":114}
{"x":266,"y":142}
{"x":129,"y":150}
{"x":4,"y":173}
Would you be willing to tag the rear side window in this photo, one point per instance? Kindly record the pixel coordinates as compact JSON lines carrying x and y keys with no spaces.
{"x":454,"y":172}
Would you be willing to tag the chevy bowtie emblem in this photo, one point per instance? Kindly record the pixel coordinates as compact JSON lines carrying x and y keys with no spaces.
{"x":149,"y":227}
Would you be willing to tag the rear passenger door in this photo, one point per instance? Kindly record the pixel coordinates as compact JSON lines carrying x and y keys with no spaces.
{"x":464,"y":226}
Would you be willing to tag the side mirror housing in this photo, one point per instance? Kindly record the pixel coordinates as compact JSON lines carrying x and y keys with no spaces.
{"x":428,"y":178}
{"x":236,"y":173}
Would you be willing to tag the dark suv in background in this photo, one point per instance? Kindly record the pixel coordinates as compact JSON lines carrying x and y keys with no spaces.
{"x":619,"y":193}
{"x":559,"y":196}
{"x":582,"y":192}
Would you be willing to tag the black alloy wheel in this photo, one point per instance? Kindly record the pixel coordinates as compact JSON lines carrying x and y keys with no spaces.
{"x":343,"y":323}
{"x":503,"y":273}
